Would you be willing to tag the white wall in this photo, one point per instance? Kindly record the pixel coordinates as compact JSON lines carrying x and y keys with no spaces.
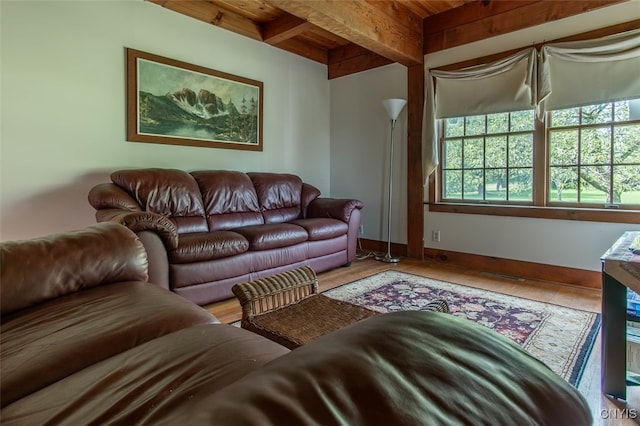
{"x":358,"y":135}
{"x":62,"y":127}
{"x":360,"y":140}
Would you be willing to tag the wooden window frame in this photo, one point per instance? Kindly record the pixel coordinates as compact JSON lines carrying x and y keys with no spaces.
{"x":539,"y":209}
{"x":484,"y":136}
{"x":581,"y":127}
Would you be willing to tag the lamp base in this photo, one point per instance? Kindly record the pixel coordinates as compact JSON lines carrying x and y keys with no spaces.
{"x":388,"y":258}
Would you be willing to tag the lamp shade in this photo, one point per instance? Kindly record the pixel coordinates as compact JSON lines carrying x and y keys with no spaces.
{"x":394,"y":107}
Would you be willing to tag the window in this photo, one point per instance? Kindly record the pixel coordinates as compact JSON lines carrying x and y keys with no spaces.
{"x":563,"y":162}
{"x":488,"y":158}
{"x":594,"y":155}
{"x":592,"y":159}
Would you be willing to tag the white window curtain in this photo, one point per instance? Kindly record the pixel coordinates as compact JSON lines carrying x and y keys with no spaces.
{"x":586,"y":72}
{"x":502,"y":86}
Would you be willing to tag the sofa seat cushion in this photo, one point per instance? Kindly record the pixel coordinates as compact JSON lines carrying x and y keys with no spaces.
{"x":149,"y":382}
{"x":273,"y":235}
{"x":201,"y":246}
{"x":52,"y":340}
{"x":322,"y":228}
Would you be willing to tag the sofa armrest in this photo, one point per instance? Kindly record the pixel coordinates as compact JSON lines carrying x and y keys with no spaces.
{"x":138,"y":221}
{"x":111,"y":196}
{"x":34,"y":271}
{"x":336,"y":208}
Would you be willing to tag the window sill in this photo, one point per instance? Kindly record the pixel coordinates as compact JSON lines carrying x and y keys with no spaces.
{"x":561,"y":213}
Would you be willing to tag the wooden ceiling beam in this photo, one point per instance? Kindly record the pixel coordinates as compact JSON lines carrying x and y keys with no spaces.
{"x":382,"y":28}
{"x":350,"y":59}
{"x":256,"y":10}
{"x":470,"y":12}
{"x":600,"y":32}
{"x":284,"y":28}
{"x":304,"y":49}
{"x":473,"y":21}
{"x":212,"y":14}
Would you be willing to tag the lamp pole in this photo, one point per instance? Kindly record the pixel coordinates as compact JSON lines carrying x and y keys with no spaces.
{"x":393,"y":107}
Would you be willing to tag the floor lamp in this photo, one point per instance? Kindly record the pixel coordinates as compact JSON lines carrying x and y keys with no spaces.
{"x":394,"y":108}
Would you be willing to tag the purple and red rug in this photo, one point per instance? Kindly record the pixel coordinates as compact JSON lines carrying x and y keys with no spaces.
{"x":560,"y":337}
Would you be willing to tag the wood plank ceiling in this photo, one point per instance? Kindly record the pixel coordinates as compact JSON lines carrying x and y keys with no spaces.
{"x":350,"y":36}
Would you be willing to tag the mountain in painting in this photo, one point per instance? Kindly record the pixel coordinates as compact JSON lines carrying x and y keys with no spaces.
{"x":183,"y":105}
{"x":199,"y":113}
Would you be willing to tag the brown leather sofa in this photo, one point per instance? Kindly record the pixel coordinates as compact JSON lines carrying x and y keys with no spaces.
{"x":208,"y":230}
{"x":85,"y":340}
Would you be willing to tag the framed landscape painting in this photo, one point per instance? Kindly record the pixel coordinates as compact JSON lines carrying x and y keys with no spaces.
{"x":173,"y":102}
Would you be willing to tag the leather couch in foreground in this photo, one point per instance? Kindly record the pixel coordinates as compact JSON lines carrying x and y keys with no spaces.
{"x":206,"y":231}
{"x":85,"y":340}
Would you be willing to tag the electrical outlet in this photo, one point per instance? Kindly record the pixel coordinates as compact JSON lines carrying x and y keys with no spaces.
{"x":361,"y":232}
{"x":435,"y":236}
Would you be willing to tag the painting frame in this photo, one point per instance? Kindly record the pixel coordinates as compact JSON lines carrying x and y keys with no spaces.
{"x":175,"y":102}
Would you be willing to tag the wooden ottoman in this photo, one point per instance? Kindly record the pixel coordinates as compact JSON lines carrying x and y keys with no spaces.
{"x":287,"y":308}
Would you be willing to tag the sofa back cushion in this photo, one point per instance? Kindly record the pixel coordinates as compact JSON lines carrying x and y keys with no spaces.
{"x":171,"y":193}
{"x":279,"y":196}
{"x":34,"y":271}
{"x":230,"y":200}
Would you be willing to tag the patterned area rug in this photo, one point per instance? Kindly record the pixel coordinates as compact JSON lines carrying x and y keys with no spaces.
{"x":560,"y":337}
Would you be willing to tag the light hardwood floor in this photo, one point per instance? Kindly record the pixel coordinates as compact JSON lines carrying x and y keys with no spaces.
{"x":561,"y":294}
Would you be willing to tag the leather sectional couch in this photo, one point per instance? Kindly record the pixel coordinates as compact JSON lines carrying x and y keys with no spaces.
{"x":86,"y":341}
{"x":208,"y":230}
